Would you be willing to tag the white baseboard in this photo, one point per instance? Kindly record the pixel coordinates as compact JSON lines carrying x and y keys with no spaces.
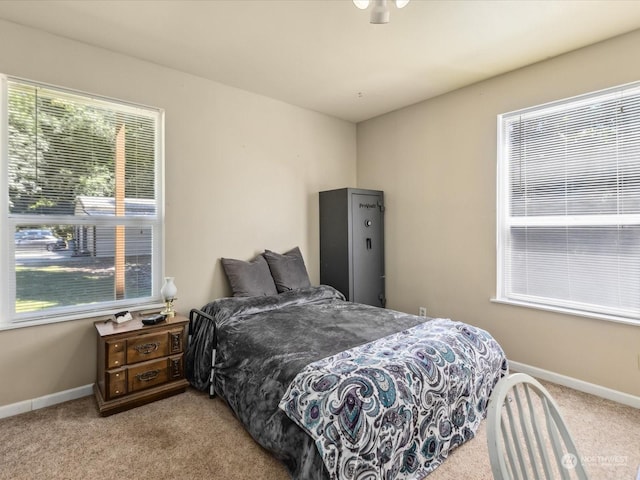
{"x":576,"y":384}
{"x":45,"y":401}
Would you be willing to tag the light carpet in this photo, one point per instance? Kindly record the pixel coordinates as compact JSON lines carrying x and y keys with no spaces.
{"x":189,"y":436}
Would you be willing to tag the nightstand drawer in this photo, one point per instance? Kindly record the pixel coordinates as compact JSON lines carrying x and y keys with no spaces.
{"x":116,"y":383}
{"x":115,"y":353}
{"x":148,"y":374}
{"x":147,"y":347}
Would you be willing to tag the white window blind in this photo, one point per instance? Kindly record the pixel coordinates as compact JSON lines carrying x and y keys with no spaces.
{"x":569,"y":204}
{"x":82,"y":175}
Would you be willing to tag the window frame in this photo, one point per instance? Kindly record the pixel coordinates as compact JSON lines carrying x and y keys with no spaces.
{"x":505,"y":221}
{"x":9,"y":319}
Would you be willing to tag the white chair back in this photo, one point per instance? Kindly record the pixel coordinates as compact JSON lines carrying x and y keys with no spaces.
{"x":526,"y":435}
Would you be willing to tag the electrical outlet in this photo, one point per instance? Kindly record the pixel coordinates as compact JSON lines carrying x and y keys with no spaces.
{"x":422,"y":311}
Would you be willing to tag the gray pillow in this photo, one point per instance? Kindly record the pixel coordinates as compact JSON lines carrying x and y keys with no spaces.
{"x":288,"y":269}
{"x":249,"y":279}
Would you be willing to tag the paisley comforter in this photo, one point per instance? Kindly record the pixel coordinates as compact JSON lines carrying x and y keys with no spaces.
{"x":263,"y":343}
{"x":395,"y":407}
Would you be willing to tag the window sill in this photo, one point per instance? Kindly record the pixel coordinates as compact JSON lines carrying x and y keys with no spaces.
{"x":569,"y":311}
{"x":94,"y":317}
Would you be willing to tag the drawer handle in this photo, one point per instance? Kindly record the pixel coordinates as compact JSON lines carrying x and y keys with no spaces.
{"x":147,"y":348}
{"x":148,"y":376}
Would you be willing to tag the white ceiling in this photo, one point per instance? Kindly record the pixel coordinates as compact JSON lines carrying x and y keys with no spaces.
{"x":324,"y":54}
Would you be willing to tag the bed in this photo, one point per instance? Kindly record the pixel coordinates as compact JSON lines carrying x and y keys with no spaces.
{"x":339,"y":390}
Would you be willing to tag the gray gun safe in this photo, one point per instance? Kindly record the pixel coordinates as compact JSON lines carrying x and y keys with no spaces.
{"x":352,"y":244}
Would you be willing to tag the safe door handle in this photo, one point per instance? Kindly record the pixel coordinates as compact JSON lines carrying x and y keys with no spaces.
{"x":368,"y":243}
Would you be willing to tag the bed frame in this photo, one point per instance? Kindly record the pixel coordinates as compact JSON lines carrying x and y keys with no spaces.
{"x":196,"y":315}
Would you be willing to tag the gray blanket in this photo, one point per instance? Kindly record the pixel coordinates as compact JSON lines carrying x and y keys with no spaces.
{"x":264,"y":342}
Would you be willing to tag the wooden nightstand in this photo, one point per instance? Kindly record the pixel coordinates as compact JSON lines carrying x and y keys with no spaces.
{"x":138,"y":364}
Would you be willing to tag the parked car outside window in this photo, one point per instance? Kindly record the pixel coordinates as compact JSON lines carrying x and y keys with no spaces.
{"x":39,"y":238}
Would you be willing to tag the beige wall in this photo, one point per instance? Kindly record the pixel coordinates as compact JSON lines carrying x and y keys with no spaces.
{"x":436,"y":162}
{"x":243,"y":172}
{"x":242,"y":175}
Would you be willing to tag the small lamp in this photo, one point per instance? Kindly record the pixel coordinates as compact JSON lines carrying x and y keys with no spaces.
{"x":168,"y":292}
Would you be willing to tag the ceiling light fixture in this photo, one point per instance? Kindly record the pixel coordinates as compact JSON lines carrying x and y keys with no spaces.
{"x":380,"y":10}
